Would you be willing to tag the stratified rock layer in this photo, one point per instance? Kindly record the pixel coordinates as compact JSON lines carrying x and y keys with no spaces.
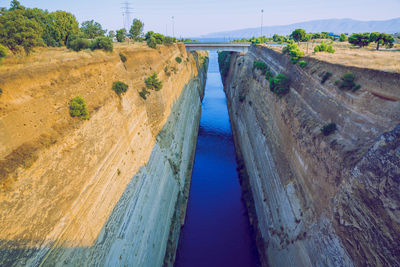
{"x":318,"y":200}
{"x":110,"y":191}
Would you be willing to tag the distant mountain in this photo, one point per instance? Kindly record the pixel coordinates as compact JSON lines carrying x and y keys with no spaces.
{"x":327,"y":25}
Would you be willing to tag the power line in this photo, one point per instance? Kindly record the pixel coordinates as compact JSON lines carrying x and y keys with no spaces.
{"x":127,"y":11}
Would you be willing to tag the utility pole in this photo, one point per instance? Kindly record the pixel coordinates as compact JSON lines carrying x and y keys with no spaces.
{"x":126,"y":14}
{"x":173,"y":27}
{"x":262,"y":20}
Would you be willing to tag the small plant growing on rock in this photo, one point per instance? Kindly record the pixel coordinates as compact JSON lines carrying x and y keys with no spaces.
{"x":347,"y":82}
{"x":119,"y":87}
{"x":77,"y":108}
{"x":279,"y":84}
{"x":325,"y":77}
{"x":259,"y":65}
{"x":152,"y":82}
{"x":328,"y":128}
{"x":123,"y":57}
{"x":178,"y":59}
{"x":302,"y":63}
{"x":293,"y":51}
{"x":143,"y":94}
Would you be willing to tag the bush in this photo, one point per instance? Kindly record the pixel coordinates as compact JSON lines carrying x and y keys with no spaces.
{"x":303,"y":64}
{"x":121,"y":35}
{"x":279,"y":85}
{"x":342,"y":37}
{"x":152,"y":82}
{"x":123,"y":57}
{"x":178,"y":59}
{"x":360,"y":39}
{"x":328,"y":129}
{"x":77,"y":108}
{"x":77,"y":44}
{"x":268,"y":74}
{"x":323,"y":47}
{"x":260,"y":66}
{"x":151,"y":42}
{"x":119,"y":87}
{"x":103,"y":42}
{"x":325,"y":77}
{"x":169,"y":40}
{"x":3,"y":52}
{"x":347,"y":82}
{"x":144,"y":93}
{"x":294,"y":51}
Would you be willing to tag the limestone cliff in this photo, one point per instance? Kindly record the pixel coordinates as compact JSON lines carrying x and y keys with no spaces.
{"x":318,"y":200}
{"x":108,"y":191}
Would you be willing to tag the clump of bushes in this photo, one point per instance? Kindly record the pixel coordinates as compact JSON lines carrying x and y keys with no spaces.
{"x":152,"y":82}
{"x":178,"y":59}
{"x":323,"y":47}
{"x":119,"y":87}
{"x":302,"y":63}
{"x":3,"y":52}
{"x":279,"y":84}
{"x":77,"y":44}
{"x":144,"y":93}
{"x":328,"y":128}
{"x":123,"y":57}
{"x":347,"y":82}
{"x":293,"y":51}
{"x":325,"y":77}
{"x":153,"y":39}
{"x":102,"y":42}
{"x":259,"y":65}
{"x":77,"y":108}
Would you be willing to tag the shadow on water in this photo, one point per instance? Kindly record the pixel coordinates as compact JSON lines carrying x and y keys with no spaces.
{"x":216,"y":231}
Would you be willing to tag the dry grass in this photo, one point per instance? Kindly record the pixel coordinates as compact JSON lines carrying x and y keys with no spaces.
{"x":369,"y":57}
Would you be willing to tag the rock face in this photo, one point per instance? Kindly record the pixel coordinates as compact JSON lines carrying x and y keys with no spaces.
{"x":109,"y":191}
{"x":317,"y":200}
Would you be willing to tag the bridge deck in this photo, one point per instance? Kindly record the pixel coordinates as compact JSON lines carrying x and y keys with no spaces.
{"x":237,"y":47}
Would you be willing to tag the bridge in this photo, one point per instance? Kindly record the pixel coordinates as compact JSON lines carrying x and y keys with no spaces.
{"x":235,"y":47}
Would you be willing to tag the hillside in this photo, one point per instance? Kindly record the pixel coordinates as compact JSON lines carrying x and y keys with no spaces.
{"x":327,"y":25}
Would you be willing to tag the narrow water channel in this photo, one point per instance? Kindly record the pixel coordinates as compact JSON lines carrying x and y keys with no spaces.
{"x":217,"y":231}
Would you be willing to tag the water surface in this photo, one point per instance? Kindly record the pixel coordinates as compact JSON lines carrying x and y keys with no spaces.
{"x":217,"y":231}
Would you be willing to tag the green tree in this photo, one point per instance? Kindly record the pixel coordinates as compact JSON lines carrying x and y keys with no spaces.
{"x":121,"y":35}
{"x":360,"y":39}
{"x":111,"y":34}
{"x":92,"y":29}
{"x":342,"y":37}
{"x":15,"y":5}
{"x":136,"y":30}
{"x":298,"y":35}
{"x":17,"y":32}
{"x":62,"y":24}
{"x":381,"y":39}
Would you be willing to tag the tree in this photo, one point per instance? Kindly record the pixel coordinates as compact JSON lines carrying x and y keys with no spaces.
{"x":381,"y":38}
{"x":298,"y":35}
{"x":3,"y":52}
{"x":360,"y":39}
{"x":15,"y":5}
{"x":92,"y":29}
{"x":18,"y":32}
{"x":121,"y":35}
{"x":342,"y":37}
{"x":62,"y":24}
{"x":136,"y":30}
{"x":111,"y":34}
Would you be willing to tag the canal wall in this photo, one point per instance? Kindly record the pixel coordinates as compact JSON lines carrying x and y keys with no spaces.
{"x":111,"y":190}
{"x":317,"y":200}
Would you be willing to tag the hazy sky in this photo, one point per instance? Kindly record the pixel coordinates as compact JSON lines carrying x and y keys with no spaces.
{"x":197,"y":17}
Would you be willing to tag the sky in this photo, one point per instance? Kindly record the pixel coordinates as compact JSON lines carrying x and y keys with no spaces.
{"x":193,"y":18}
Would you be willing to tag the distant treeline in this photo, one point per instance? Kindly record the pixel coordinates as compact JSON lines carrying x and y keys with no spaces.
{"x":300,"y":35}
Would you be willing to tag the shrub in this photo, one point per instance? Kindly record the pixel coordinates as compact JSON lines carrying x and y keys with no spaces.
{"x":123,"y":57}
{"x":120,"y":87}
{"x":169,"y":40}
{"x":294,"y":51}
{"x":325,"y":77}
{"x":77,"y":108}
{"x":151,"y":42}
{"x":152,"y":82}
{"x":303,"y":64}
{"x":347,"y":82}
{"x":268,"y":74}
{"x":360,"y":39}
{"x":121,"y":35}
{"x":144,"y":93}
{"x":260,"y":66}
{"x":178,"y":59}
{"x":3,"y":52}
{"x":328,"y":128}
{"x":279,"y":85}
{"x":342,"y":37}
{"x":102,"y":42}
{"x":77,"y":44}
{"x":323,"y":47}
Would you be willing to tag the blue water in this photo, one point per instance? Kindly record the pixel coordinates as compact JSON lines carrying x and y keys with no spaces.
{"x":216,"y":231}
